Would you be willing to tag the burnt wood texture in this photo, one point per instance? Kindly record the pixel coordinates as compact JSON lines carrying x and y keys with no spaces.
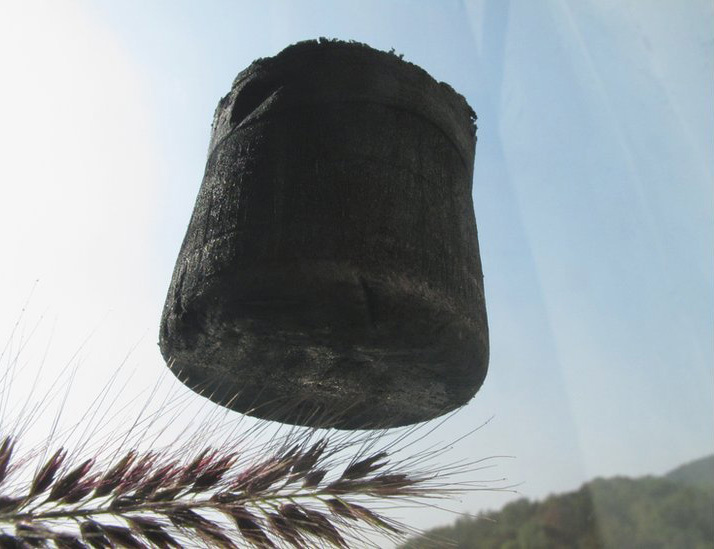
{"x":330,"y":274}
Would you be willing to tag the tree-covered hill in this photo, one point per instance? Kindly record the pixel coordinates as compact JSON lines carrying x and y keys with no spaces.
{"x":699,"y":473}
{"x":674,"y":511}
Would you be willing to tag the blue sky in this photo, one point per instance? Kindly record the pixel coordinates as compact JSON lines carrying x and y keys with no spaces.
{"x":593,"y":191}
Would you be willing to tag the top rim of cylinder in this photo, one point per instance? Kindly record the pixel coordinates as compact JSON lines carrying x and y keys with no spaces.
{"x":383,"y":77}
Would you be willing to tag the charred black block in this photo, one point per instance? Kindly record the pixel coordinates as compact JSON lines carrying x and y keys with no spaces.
{"x":330,"y":274}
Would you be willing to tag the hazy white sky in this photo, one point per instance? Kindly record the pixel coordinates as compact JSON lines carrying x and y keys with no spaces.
{"x":593,"y":190}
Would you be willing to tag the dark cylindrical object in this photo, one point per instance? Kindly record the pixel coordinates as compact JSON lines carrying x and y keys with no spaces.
{"x":330,"y":274}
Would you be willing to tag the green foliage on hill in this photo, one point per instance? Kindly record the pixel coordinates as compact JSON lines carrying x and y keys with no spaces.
{"x":643,"y":513}
{"x":699,"y":473}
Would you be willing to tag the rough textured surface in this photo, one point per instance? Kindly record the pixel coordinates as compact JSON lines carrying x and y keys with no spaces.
{"x":330,"y":274}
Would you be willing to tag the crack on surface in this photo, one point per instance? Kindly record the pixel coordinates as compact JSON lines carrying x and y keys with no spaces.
{"x":370,"y":302}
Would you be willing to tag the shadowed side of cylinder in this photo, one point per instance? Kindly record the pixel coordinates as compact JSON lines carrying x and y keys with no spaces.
{"x":330,"y":274}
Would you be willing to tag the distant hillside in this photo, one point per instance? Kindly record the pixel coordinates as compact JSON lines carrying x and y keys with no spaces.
{"x":675,"y":511}
{"x":698,"y":474}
